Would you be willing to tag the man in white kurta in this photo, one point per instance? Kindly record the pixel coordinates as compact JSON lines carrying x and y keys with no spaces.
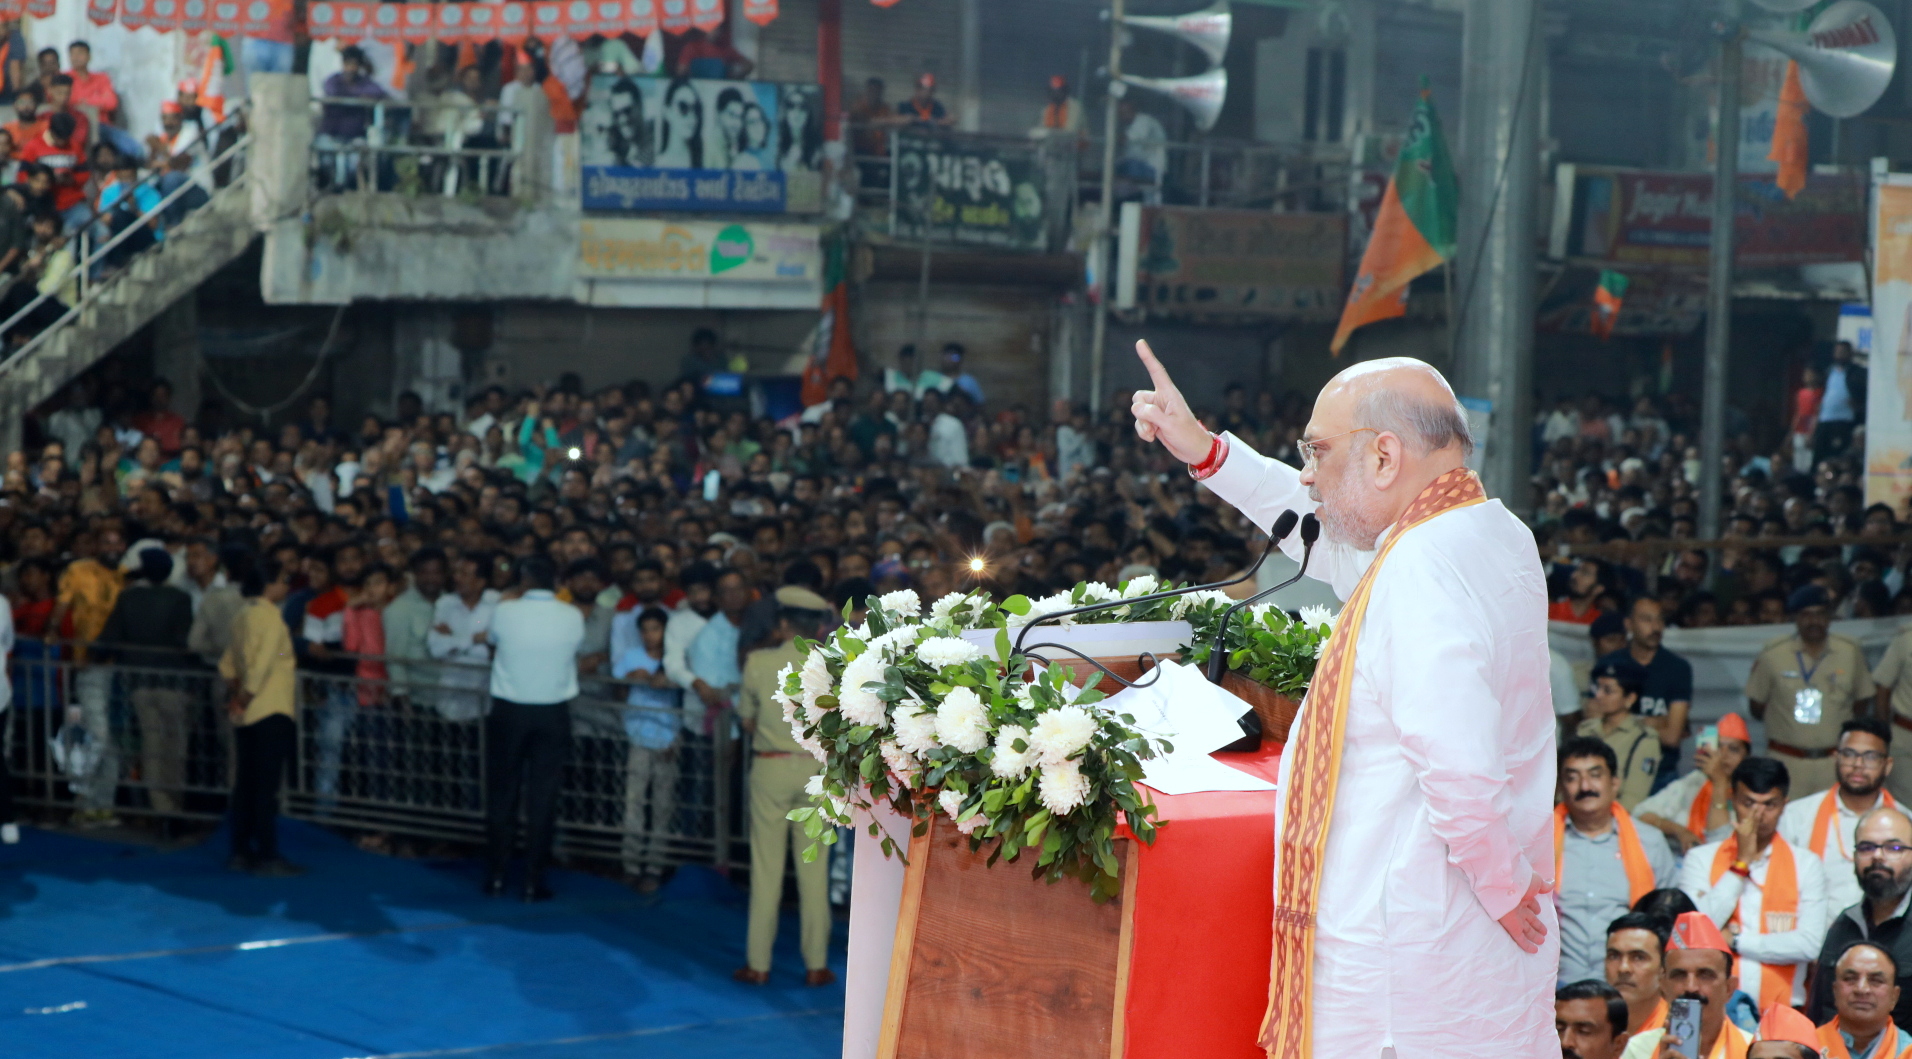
{"x":1441,"y":830}
{"x":1826,"y":821}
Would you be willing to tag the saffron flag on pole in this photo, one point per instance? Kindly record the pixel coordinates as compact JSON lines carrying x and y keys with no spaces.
{"x":1789,"y":134}
{"x":1414,"y":230}
{"x":833,"y":349}
{"x":1606,"y":303}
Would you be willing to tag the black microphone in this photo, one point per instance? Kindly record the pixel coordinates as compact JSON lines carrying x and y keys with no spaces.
{"x":1217,"y":656}
{"x":1284,"y":525}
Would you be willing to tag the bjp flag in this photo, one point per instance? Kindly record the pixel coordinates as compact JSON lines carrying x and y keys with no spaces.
{"x":833,"y":352}
{"x":1606,"y":303}
{"x":1414,"y":231}
{"x":1789,"y":134}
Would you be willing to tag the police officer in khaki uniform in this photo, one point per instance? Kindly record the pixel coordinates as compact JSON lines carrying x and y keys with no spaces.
{"x":1894,"y":681}
{"x":1806,"y":686}
{"x":778,"y":772}
{"x":1609,"y":703}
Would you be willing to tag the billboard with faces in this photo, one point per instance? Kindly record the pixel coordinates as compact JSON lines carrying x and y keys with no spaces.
{"x":648,"y":144}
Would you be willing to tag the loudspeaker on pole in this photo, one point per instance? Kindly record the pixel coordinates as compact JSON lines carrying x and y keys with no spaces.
{"x":1202,"y":94}
{"x":1206,"y":29}
{"x":1845,"y":56}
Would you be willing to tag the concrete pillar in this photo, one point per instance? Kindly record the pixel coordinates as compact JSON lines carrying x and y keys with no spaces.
{"x":1501,"y":53}
{"x":744,"y":35}
{"x":535,"y":175}
{"x":278,"y":170}
{"x":1719,"y":282}
{"x":176,"y":353}
{"x":969,"y":99}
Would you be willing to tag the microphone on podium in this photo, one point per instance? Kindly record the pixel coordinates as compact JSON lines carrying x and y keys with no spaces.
{"x":1310,"y":532}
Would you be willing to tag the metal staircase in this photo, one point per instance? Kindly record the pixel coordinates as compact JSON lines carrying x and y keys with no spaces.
{"x":112,"y":309}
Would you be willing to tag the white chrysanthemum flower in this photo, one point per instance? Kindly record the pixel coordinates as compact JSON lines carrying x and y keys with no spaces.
{"x":1061,"y":732}
{"x":902,"y":601}
{"x":1010,"y":763}
{"x":815,"y":675}
{"x":1097,"y":592}
{"x":941,"y":612}
{"x":901,"y":763}
{"x":1042,"y":608}
{"x":861,"y":632}
{"x":1259,"y":612}
{"x":1063,"y":787}
{"x":1182,"y":605}
{"x":1140,"y":585}
{"x":814,"y":786}
{"x":962,"y":721}
{"x":859,"y":705}
{"x":915,"y":728}
{"x":952,"y":803}
{"x":898,"y":638}
{"x":940,"y":651}
{"x":1315,"y":616}
{"x":1320,"y":646}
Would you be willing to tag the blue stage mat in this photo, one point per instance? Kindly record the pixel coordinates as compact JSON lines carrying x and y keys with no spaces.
{"x":108,"y":950}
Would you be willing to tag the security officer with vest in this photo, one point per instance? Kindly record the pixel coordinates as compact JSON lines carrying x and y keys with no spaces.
{"x":778,"y":772}
{"x":1805,"y":686}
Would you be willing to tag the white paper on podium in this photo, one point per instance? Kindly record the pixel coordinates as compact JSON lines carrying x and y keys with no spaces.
{"x":1198,"y":718}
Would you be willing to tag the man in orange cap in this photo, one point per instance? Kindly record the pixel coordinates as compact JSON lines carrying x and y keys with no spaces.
{"x":1698,"y":965}
{"x":1785,"y":1034}
{"x":1698,"y":807}
{"x":1768,"y":895}
{"x":1865,"y":986}
{"x":1825,"y":822}
{"x":1062,"y":115}
{"x":922,"y":109}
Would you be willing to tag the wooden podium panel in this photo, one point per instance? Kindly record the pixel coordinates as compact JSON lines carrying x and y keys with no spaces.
{"x":991,"y":964}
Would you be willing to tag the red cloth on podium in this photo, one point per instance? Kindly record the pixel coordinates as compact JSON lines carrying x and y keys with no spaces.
{"x":1204,"y":902}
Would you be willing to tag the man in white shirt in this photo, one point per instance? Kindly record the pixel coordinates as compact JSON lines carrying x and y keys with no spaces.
{"x":1144,"y":148}
{"x":1825,"y":822}
{"x":1779,"y":920}
{"x":460,"y":637}
{"x":699,"y":585}
{"x":948,"y":438}
{"x":1436,"y":741}
{"x":533,"y":680}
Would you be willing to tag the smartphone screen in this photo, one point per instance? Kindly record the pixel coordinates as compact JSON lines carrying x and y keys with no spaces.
{"x":1708,"y":738}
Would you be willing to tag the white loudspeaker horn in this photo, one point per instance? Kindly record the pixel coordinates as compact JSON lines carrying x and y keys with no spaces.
{"x":1784,"y":7}
{"x":1202,"y":94}
{"x":1845,"y":56}
{"x":1206,"y":29}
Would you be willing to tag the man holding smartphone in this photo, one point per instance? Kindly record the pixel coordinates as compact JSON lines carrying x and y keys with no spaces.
{"x":1695,"y":972}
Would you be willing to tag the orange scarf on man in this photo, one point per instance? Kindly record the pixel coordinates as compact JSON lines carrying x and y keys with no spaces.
{"x":1733,"y":1042}
{"x":1701,"y":808}
{"x":1310,"y":771}
{"x":1833,"y":1046}
{"x":1778,"y":911}
{"x":1829,"y":811}
{"x":1632,"y":854}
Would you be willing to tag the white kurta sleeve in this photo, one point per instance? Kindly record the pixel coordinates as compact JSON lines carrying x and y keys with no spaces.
{"x":1718,"y":900}
{"x":1802,"y":943}
{"x":1451,"y":728}
{"x":1262,"y":489}
{"x":1666,"y":866}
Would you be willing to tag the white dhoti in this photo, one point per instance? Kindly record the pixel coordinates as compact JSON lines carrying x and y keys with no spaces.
{"x":1443,"y":804}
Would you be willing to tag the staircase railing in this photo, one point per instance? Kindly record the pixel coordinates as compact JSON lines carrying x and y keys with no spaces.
{"x":91,"y":256}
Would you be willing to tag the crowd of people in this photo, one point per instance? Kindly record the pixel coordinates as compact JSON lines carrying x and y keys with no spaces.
{"x":691,"y":542}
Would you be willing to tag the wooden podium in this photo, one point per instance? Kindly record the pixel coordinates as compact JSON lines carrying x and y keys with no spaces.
{"x":989,"y":963}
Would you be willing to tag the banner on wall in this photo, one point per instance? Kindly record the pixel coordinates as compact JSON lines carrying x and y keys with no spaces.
{"x":476,"y":23}
{"x":1196,"y":262}
{"x":1647,"y":217}
{"x":648,"y":248}
{"x":654,"y":143}
{"x":1889,"y":387}
{"x":967,"y":193}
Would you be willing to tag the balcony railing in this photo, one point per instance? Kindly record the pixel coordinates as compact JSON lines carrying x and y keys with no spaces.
{"x":415,"y":147}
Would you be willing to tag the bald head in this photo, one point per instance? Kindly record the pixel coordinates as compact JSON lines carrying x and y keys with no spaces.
{"x":1405,"y":397}
{"x":1381,"y":432}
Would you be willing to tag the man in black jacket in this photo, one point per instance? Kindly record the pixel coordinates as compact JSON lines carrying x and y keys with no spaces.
{"x":1882,"y":855}
{"x":1842,"y":406}
{"x":146,"y":632}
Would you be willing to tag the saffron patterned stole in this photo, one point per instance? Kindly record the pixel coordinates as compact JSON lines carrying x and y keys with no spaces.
{"x":1310,"y":768}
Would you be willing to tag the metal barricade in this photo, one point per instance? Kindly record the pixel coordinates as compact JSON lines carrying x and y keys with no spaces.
{"x":415,"y":146}
{"x":385,"y":745}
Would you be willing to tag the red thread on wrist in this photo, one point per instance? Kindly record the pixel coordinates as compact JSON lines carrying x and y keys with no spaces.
{"x":1217,"y":454}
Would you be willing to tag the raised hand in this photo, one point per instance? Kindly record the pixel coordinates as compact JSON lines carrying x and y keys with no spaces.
{"x":1162,"y":415}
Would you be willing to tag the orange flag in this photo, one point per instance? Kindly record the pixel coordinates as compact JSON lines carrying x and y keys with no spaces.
{"x":1789,"y":134}
{"x":834,"y":356}
{"x":1413,"y":231}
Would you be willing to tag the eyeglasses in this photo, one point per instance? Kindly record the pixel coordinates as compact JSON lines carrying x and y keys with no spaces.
{"x":1868,"y":757}
{"x":1891,"y":848}
{"x":1311,"y":450}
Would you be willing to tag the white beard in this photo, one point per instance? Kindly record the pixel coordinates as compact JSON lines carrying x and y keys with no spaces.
{"x":1343,"y":521}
